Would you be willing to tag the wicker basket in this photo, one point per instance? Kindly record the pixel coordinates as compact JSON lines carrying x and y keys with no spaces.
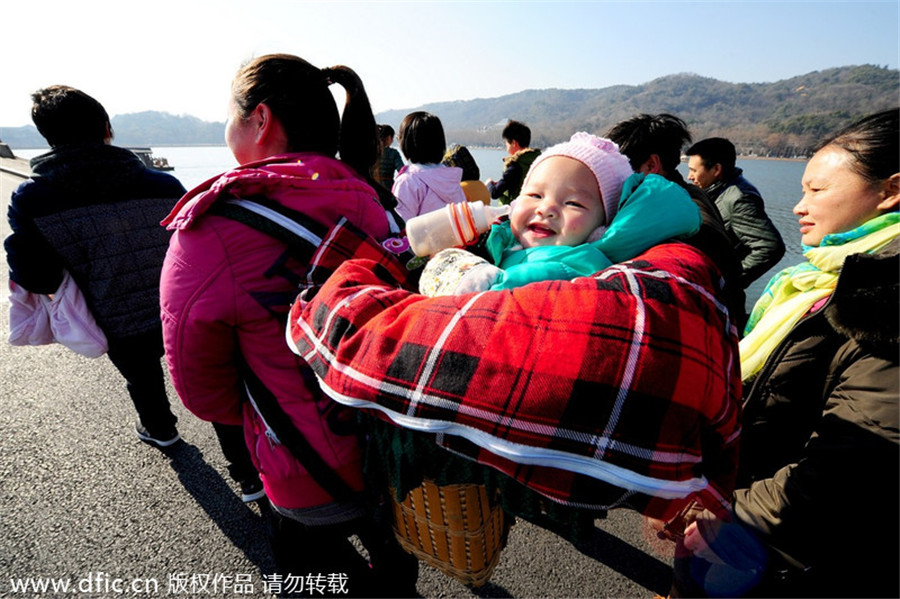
{"x":455,"y":528}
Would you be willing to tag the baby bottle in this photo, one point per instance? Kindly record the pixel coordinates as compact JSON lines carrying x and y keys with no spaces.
{"x":454,"y":225}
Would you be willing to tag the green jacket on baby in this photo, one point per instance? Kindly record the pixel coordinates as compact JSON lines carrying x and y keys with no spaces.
{"x":651,"y":210}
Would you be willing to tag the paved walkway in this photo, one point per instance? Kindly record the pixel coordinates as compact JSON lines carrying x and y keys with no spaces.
{"x":83,"y":501}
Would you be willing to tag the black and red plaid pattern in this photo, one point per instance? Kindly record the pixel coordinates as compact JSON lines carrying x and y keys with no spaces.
{"x":621,"y":389}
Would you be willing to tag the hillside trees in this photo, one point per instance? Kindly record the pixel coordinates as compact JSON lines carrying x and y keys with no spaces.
{"x":784,"y":118}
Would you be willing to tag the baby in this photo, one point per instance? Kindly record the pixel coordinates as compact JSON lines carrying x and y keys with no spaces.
{"x":580,"y":210}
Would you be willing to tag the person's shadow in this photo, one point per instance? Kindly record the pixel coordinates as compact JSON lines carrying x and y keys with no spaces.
{"x":629,"y":561}
{"x":244,"y":526}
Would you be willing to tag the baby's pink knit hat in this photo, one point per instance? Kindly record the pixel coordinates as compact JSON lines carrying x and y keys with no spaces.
{"x":602,"y":156}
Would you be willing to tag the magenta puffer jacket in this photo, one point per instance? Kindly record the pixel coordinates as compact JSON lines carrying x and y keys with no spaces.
{"x":225,"y":293}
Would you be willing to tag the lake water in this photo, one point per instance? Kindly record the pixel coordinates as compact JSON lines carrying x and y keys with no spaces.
{"x":777,"y":180}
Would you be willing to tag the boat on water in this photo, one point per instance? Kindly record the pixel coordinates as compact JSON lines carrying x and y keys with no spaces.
{"x":150,"y":161}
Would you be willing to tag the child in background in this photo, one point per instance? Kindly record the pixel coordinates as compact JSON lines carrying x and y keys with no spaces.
{"x":580,"y":210}
{"x":389,"y":161}
{"x":425,"y":184}
{"x":520,"y":156}
{"x":475,"y":190}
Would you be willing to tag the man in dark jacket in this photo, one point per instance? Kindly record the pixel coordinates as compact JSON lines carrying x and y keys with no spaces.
{"x":711,"y":167}
{"x":94,"y":209}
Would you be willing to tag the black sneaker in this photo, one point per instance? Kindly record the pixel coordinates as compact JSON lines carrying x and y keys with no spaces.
{"x":166,"y":439}
{"x":252,"y":490}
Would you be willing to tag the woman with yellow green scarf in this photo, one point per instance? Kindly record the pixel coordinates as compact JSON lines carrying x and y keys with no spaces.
{"x":816,"y":507}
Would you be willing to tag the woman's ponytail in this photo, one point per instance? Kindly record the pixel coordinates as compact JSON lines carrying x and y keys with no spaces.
{"x":358,"y":144}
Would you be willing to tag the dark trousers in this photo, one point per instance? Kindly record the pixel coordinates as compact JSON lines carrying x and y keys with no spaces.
{"x":234,"y":448}
{"x":303,"y":552}
{"x":138,"y":359}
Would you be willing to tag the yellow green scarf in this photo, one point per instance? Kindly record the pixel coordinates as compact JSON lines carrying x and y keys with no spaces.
{"x":792,"y":292}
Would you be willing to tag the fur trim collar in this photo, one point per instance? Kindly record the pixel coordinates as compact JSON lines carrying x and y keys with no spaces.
{"x":866,"y":303}
{"x":518,"y":155}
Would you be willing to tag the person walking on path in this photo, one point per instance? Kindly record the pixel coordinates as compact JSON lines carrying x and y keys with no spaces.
{"x":93,"y":209}
{"x":226,"y":291}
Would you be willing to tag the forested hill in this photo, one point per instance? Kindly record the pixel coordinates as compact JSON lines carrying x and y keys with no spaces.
{"x":784,"y":118}
{"x":150,"y":128}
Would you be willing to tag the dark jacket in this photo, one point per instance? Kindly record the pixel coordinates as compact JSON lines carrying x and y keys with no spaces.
{"x":388,"y":163}
{"x":756,"y":240}
{"x":94,"y":210}
{"x":819,"y":453}
{"x":515,"y":168}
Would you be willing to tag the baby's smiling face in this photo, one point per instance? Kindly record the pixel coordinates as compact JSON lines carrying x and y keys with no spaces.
{"x":560,"y":204}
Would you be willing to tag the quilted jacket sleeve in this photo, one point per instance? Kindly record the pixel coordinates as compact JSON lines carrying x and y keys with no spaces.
{"x":761,"y":243}
{"x":33,"y":263}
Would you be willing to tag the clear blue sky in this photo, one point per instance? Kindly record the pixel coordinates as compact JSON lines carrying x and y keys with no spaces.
{"x":180,"y":56}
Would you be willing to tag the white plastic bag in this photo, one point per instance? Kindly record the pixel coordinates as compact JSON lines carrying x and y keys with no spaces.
{"x":36,"y":319}
{"x":29,"y":317}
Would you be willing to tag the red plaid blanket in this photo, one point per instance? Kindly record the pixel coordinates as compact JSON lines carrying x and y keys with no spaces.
{"x":618,"y":390}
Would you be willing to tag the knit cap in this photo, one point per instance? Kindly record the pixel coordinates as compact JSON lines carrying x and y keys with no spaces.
{"x":602,"y":156}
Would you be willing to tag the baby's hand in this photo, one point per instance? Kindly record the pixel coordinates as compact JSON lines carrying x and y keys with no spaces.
{"x":454,"y":272}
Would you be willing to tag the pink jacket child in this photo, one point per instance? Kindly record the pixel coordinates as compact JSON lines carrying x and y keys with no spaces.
{"x":422,"y":188}
{"x":222,"y":282}
{"x":425,"y":185}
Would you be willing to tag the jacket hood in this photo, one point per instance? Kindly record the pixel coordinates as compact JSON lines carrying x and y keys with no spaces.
{"x":864,"y":304}
{"x":287,"y":176}
{"x":519,"y":155}
{"x":442,"y":180}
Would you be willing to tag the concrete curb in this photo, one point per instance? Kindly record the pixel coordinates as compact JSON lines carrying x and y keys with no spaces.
{"x":15,"y":166}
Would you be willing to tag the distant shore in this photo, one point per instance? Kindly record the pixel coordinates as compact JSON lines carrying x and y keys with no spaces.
{"x":742,"y":157}
{"x":474,"y":147}
{"x":146,"y":145}
{"x":755,"y":157}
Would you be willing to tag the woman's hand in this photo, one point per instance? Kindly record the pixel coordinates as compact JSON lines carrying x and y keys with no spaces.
{"x":674,"y":529}
{"x":724,"y":543}
{"x":697,"y":544}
